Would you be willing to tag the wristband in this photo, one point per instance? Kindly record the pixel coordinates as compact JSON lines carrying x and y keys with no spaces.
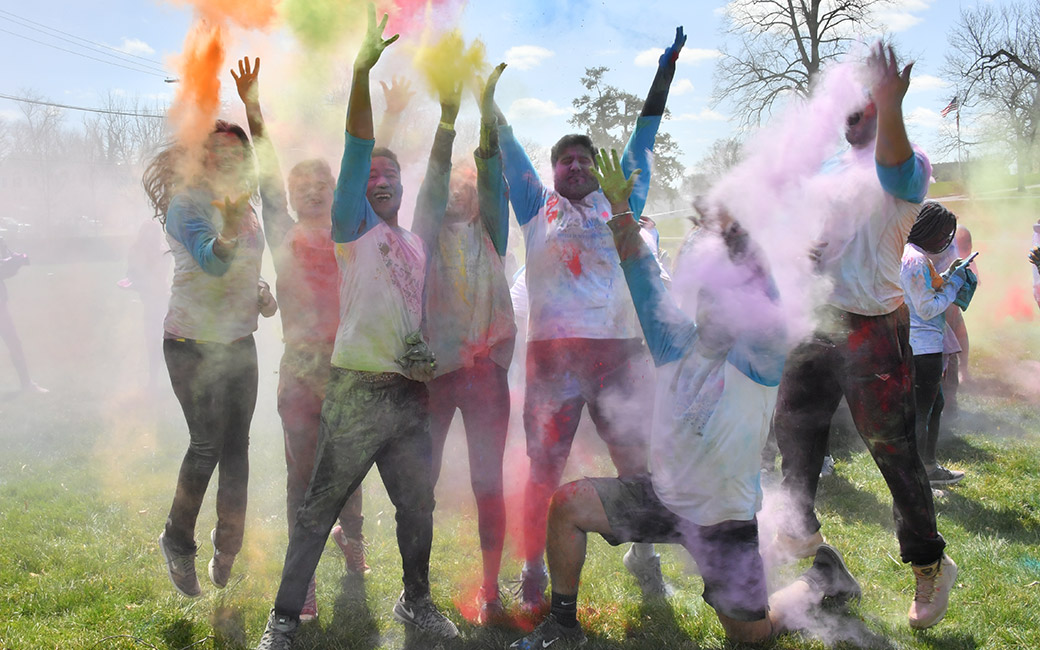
{"x":446,"y":126}
{"x":621,"y":214}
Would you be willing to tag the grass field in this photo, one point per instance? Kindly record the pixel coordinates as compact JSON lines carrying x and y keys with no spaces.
{"x":87,"y":472}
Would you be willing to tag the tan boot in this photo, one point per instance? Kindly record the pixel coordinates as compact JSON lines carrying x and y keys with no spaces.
{"x":932,"y":595}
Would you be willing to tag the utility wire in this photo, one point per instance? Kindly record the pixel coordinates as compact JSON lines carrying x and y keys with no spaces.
{"x":86,"y":56}
{"x":20,"y":20}
{"x":82,"y":108}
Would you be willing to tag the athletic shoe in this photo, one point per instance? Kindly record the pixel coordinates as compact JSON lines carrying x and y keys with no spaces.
{"x":531,"y":590}
{"x":828,"y":466}
{"x":942,"y":476}
{"x":490,"y":611}
{"x":938,"y":494}
{"x":280,"y":632}
{"x":829,"y":575}
{"x":181,"y":569}
{"x":932,"y":595}
{"x":310,"y":606}
{"x":220,"y":565}
{"x":796,"y":548}
{"x":548,"y":634}
{"x":423,"y":615}
{"x":648,"y":573}
{"x":353,"y":550}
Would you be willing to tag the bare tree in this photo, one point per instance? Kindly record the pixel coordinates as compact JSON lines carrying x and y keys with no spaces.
{"x":780,"y":46}
{"x":995,"y":63}
{"x":723,"y":155}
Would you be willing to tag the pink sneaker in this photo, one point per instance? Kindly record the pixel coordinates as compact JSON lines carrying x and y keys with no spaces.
{"x":310,"y":606}
{"x":353,"y":550}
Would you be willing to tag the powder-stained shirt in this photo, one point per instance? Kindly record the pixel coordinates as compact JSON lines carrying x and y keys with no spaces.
{"x":927,"y":298}
{"x":211,"y":299}
{"x":712,"y":410}
{"x":382,"y":269}
{"x":469,"y":312}
{"x":575,"y":285}
{"x":866,"y":232}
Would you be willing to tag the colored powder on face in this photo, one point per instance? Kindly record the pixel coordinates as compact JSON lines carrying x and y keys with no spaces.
{"x":447,"y":62}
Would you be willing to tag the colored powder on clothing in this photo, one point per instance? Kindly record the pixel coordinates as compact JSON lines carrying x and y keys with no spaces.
{"x":447,"y":62}
{"x":574,"y":262}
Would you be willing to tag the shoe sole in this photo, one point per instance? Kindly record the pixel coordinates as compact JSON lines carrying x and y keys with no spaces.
{"x":836,"y":559}
{"x":169,"y":574}
{"x":919,"y":626}
{"x":945,"y":481}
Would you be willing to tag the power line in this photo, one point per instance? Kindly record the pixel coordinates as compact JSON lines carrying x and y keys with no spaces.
{"x":82,"y":108}
{"x":19,"y":19}
{"x":86,"y":56}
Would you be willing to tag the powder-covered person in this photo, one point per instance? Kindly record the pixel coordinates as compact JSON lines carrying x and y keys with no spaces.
{"x":308,"y":295}
{"x":375,"y":409}
{"x":717,"y":378}
{"x":584,"y":343}
{"x":208,"y":344}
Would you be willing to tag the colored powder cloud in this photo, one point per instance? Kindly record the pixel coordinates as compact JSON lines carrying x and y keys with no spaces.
{"x":447,"y":62}
{"x":322,"y":24}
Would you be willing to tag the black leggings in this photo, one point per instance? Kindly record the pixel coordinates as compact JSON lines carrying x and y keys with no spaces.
{"x":928,"y":396}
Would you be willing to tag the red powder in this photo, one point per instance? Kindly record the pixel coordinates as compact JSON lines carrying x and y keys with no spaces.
{"x":574,"y":262}
{"x":1016,"y":304}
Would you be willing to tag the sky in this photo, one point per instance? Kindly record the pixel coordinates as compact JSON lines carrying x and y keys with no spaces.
{"x":548,"y":45}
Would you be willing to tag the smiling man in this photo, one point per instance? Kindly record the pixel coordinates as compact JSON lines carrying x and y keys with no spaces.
{"x":376,"y":402}
{"x":584,"y":342}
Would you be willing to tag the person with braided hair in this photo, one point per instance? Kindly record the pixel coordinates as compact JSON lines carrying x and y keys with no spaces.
{"x":928,"y":295}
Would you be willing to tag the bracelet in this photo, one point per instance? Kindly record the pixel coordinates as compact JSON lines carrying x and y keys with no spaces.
{"x":621,"y":214}
{"x":447,"y":127}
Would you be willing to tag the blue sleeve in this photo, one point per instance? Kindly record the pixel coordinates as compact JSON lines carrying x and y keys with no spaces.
{"x":191,"y":225}
{"x":669,"y":333}
{"x":493,"y":198}
{"x":352,"y":214}
{"x":526,"y":192}
{"x":760,"y":355}
{"x":907,"y":181}
{"x":637,"y":156}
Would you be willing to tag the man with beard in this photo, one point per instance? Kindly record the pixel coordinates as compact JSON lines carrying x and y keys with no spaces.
{"x":584,"y":342}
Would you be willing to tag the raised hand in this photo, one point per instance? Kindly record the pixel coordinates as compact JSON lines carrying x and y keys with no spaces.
{"x":1034,"y":257}
{"x":373,"y":44}
{"x":488,"y":109}
{"x":611,"y":177}
{"x":888,"y":83}
{"x":451,"y":100}
{"x":247,"y":80}
{"x":233,"y":212}
{"x":398,"y":94}
{"x":671,"y":53}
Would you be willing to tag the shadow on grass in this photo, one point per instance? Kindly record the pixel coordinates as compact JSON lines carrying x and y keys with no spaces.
{"x":229,"y":629}
{"x":179,"y":634}
{"x":946,"y":640}
{"x":351,"y":624}
{"x":959,"y":449}
{"x":838,"y":496}
{"x":977,"y":517}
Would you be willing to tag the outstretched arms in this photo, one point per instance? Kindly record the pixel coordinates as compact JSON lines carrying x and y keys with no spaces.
{"x":492,"y":195}
{"x":359,"y":106}
{"x":398,"y":95}
{"x":277,"y":221}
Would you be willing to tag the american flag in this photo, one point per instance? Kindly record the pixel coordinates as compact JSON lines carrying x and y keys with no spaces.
{"x":952,"y":106}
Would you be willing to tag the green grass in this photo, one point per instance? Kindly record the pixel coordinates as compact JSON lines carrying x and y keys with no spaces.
{"x":87,"y":473}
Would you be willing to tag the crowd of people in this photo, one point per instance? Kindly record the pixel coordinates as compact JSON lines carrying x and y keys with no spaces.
{"x":388,"y":332}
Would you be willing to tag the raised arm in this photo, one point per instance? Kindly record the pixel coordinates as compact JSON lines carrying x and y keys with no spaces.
{"x":432,"y":200}
{"x":398,"y":95}
{"x":526,"y":191}
{"x":641,"y":143}
{"x":352,"y":214}
{"x":492,"y":195}
{"x":277,"y":221}
{"x":903,"y":172}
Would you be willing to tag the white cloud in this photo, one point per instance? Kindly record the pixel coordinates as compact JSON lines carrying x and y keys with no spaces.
{"x":925,"y":118}
{"x":925,"y":82}
{"x":693,"y":55}
{"x":902,"y":16}
{"x":525,"y":57}
{"x":11,"y":115}
{"x":533,"y":108}
{"x":681,"y":87}
{"x":704,"y":115}
{"x":135,"y":46}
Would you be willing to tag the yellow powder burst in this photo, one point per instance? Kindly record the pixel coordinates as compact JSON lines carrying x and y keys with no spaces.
{"x":447,"y":62}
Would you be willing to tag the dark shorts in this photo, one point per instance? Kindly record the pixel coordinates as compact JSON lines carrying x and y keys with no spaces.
{"x":726,"y":554}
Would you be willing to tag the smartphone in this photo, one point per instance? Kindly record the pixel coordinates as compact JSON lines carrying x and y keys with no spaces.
{"x":964,"y":263}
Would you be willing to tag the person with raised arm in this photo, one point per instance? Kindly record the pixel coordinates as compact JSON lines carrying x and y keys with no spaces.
{"x":860,"y":347}
{"x":464,"y":220}
{"x":305,"y":261}
{"x":216,"y":297}
{"x":717,"y":378}
{"x":376,"y":403}
{"x":584,"y":344}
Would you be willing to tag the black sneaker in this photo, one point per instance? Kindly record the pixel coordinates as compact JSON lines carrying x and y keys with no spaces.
{"x":279,"y":634}
{"x":942,"y":476}
{"x":551,"y":633}
{"x":830,"y":576}
{"x":423,"y":615}
{"x":181,"y":569}
{"x":220,"y":565}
